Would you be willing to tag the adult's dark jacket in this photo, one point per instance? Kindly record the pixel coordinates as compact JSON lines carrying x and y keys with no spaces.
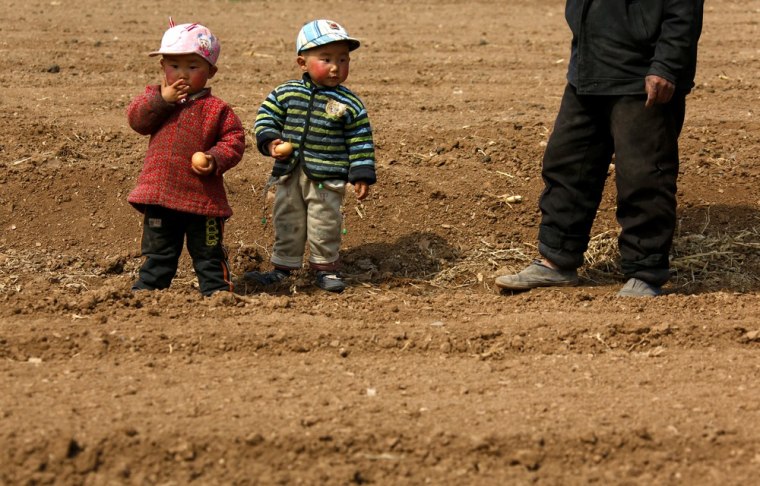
{"x":617,"y":43}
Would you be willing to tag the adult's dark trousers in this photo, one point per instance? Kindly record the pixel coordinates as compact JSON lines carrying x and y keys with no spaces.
{"x":589,"y":129}
{"x":164,"y":233}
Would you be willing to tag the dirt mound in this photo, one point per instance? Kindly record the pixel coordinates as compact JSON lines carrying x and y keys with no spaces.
{"x":421,"y":372}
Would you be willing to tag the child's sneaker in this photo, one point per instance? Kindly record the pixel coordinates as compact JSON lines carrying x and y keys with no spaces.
{"x":266,"y":279}
{"x":330,"y":281}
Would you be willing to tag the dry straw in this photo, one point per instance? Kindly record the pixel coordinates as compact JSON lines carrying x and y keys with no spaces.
{"x":721,"y":261}
{"x":699,"y":262}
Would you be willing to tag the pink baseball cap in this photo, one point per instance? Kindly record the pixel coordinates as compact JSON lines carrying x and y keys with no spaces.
{"x":189,"y":39}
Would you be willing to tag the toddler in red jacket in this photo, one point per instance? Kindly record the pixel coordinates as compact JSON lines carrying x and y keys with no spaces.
{"x":179,"y":198}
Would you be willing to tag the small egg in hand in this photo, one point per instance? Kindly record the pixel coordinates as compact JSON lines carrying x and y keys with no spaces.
{"x":199,"y":160}
{"x":285,"y":148}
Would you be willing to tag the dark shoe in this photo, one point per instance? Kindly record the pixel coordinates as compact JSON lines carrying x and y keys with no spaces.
{"x":266,"y":279}
{"x":638,"y":288}
{"x":139,"y":286}
{"x":538,"y":275}
{"x":330,"y":281}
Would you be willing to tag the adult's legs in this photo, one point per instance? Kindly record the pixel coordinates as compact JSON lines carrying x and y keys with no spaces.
{"x":574,"y":170}
{"x":646,"y":169}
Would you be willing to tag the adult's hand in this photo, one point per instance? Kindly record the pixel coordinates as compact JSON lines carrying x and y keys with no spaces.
{"x":659,"y":90}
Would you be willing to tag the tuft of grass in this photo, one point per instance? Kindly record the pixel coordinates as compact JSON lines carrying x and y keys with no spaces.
{"x":698,"y":261}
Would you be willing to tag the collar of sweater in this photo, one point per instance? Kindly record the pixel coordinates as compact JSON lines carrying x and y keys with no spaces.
{"x":312,"y":86}
{"x":198,"y":95}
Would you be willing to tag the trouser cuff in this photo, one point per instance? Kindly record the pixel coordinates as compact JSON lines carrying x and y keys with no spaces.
{"x":325,"y":267}
{"x":652,"y":270}
{"x":566,"y":253}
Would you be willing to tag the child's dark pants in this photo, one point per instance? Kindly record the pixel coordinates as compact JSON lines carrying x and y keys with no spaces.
{"x":588,"y":131}
{"x":164,"y":232}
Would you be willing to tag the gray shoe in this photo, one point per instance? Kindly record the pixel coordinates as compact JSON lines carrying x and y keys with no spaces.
{"x":330,"y":281}
{"x":538,"y":275}
{"x":638,"y":288}
{"x":266,"y":279}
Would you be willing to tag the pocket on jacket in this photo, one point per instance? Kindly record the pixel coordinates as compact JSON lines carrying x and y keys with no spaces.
{"x":637,"y":22}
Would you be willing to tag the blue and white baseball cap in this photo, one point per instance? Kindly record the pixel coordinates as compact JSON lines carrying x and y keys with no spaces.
{"x":320,"y":32}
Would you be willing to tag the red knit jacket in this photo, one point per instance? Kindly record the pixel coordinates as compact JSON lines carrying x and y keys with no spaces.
{"x":206,"y":124}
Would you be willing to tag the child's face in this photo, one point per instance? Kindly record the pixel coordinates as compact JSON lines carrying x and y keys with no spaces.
{"x":327,"y":65}
{"x":191,"y":68}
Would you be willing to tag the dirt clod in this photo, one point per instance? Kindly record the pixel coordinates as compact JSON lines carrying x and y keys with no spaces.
{"x":421,"y":372}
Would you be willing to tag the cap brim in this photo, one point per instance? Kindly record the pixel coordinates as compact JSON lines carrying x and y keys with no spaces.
{"x":353,"y":44}
{"x":162,"y":53}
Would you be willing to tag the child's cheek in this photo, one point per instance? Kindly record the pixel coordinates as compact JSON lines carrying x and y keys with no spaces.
{"x":198,"y":77}
{"x":319,"y":71}
{"x":171,"y":76}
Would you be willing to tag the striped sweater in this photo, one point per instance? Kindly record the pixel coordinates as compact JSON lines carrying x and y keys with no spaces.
{"x":328,"y":127}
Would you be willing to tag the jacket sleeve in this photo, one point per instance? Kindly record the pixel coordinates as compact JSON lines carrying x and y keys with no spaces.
{"x":270,"y":121}
{"x":361,"y":149}
{"x":229,"y":149}
{"x":148,"y":111}
{"x":676,"y":49}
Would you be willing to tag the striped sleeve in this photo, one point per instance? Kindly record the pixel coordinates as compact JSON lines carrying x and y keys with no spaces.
{"x":361,"y":149}
{"x":269,"y":121}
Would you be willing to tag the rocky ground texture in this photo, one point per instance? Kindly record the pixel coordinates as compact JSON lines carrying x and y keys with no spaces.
{"x":421,"y":372}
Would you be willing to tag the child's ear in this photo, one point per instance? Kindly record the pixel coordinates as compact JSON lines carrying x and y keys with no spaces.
{"x":212,"y":72}
{"x":301,"y":63}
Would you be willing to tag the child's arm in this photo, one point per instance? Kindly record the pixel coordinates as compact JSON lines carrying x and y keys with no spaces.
{"x":148,"y":111}
{"x":270,"y":121}
{"x":361,"y":152}
{"x":230,"y":147}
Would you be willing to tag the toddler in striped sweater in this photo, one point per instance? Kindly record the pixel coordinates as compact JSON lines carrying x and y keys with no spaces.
{"x":329,"y":131}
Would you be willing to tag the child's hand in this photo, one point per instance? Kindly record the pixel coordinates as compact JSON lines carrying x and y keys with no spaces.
{"x":282,"y":154}
{"x":361,"y":189}
{"x":209,"y":168}
{"x":175,"y":92}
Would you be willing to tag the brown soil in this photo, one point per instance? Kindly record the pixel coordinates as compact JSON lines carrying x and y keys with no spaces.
{"x":421,"y":372}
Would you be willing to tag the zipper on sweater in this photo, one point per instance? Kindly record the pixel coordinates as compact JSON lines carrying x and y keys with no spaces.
{"x":301,"y":159}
